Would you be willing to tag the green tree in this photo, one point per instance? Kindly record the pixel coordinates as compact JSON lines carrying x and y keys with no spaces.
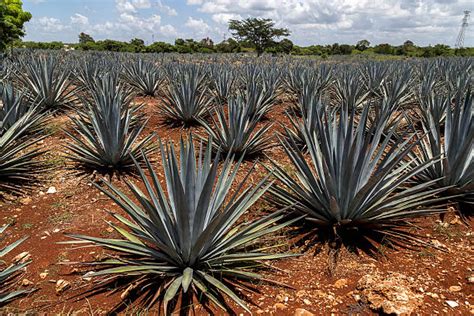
{"x":362,"y":45}
{"x":138,"y":45}
{"x":85,"y":38}
{"x":160,"y":47}
{"x":260,"y":32}
{"x":12,"y":19}
{"x":408,"y":48}
{"x":385,"y":49}
{"x":285,"y":45}
{"x":228,"y":46}
{"x":179,"y":42}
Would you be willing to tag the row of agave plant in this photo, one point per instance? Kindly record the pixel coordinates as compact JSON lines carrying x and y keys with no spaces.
{"x":371,"y":145}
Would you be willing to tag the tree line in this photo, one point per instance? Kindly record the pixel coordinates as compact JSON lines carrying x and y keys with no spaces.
{"x":285,"y":46}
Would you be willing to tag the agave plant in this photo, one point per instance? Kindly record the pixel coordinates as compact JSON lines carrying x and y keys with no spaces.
{"x":106,"y":86}
{"x":143,"y":76}
{"x":395,"y":92}
{"x":47,"y":83}
{"x":458,"y":75}
{"x":9,"y":274}
{"x":375,"y":74}
{"x":305,"y":84}
{"x":433,"y":107}
{"x":313,"y":88}
{"x":259,"y":98}
{"x":237,"y":132}
{"x":185,"y":243}
{"x":353,"y":188}
{"x":187,"y":100}
{"x":13,"y":106}
{"x":349,"y":89}
{"x":313,"y":107}
{"x":87,"y":70}
{"x":456,"y":169}
{"x":293,"y":78}
{"x":107,"y":134}
{"x":18,"y":164}
{"x":223,"y":78}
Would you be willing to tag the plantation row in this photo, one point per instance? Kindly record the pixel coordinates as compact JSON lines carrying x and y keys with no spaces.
{"x":371,"y":146}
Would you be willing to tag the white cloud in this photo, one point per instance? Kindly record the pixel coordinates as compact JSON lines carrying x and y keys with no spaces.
{"x":196,"y":23}
{"x":223,"y":18}
{"x":311,"y":21}
{"x":141,"y":4}
{"x":198,"y":26}
{"x":166,"y":9}
{"x":124,"y":6}
{"x":168,"y":31}
{"x":316,"y":21}
{"x":79,"y":19}
{"x":133,"y":22}
{"x":50,"y":25}
{"x":106,"y":28}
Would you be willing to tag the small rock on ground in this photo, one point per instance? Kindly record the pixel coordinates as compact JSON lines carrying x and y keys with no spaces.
{"x":390,"y":294}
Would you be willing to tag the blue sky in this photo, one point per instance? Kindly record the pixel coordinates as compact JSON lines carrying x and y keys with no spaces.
{"x":311,"y":21}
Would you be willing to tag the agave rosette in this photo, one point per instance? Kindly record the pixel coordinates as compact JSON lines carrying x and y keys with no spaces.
{"x":354,"y":184}
{"x":186,"y":243}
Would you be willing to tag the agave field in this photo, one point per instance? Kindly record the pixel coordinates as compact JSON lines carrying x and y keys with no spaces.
{"x":226,"y":184}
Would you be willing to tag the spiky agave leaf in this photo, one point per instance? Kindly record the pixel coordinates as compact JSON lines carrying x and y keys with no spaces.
{"x":293,"y":77}
{"x":375,"y":74}
{"x":107,"y":137}
{"x":456,"y":169}
{"x":10,"y":273}
{"x":106,"y":85}
{"x":13,"y":105}
{"x":395,"y":91}
{"x":223,"y":78}
{"x":47,"y":83}
{"x":19,"y":167}
{"x":312,"y":107}
{"x":185,"y":242}
{"x":144,"y":76}
{"x":354,"y":184}
{"x":349,"y":88}
{"x":187,"y":100}
{"x":237,"y":133}
{"x":259,"y":97}
{"x":88,"y":69}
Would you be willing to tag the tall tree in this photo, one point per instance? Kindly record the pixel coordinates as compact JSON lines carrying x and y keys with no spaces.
{"x":286,"y":45}
{"x":85,"y":38}
{"x":12,"y":19}
{"x":138,"y":45}
{"x":362,"y":45}
{"x":260,"y":32}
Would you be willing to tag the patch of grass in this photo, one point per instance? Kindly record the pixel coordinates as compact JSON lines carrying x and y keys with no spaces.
{"x":58,"y":204}
{"x":64,"y":217}
{"x":27,"y":226}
